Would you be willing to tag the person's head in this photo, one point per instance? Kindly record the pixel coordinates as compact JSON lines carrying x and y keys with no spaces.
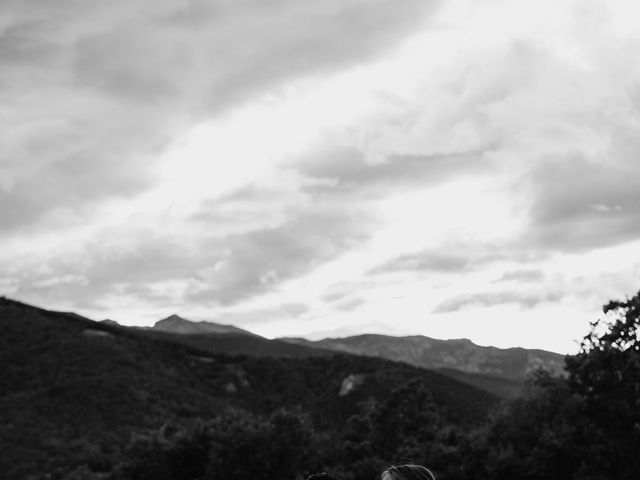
{"x":322,"y":476}
{"x":407,"y":472}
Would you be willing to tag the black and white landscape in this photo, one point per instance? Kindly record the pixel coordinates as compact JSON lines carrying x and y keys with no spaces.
{"x":296,"y":236}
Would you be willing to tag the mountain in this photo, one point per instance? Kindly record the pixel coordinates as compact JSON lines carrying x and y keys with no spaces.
{"x":246,"y":343}
{"x":74,"y":392}
{"x":212,"y":337}
{"x":499,"y":386}
{"x":108,"y":321}
{"x":462,"y":355}
{"x":182,"y":326}
{"x":239,"y":344}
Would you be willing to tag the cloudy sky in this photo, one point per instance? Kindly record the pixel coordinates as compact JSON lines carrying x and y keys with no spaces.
{"x":455,"y":169}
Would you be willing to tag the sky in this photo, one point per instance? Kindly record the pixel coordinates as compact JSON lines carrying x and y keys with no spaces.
{"x":466,"y":168}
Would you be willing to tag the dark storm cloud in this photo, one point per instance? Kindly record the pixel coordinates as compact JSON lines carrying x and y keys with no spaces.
{"x":581,"y":205}
{"x":119,"y":80}
{"x":525,"y":299}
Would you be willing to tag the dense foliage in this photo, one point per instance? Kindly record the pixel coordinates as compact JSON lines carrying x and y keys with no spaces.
{"x":285,"y":444}
{"x":583,"y":427}
{"x":73,"y":393}
{"x":160,"y":412}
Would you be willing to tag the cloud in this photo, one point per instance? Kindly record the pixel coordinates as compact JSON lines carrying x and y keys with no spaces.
{"x":128,"y":262}
{"x":169,"y":268}
{"x":251,"y":207}
{"x":340,"y":296}
{"x":234,"y":50}
{"x":342,"y":291}
{"x":91,"y":94}
{"x":233,"y":155}
{"x":261,"y":316}
{"x":580,"y":204}
{"x":446,"y":258}
{"x":524,"y":276}
{"x":258,"y":261}
{"x":431,"y":260}
{"x":65,"y":192}
{"x":348,"y":171}
{"x":350,"y":304}
{"x":523,"y":299}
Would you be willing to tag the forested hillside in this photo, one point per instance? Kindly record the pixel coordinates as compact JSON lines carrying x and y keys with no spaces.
{"x":88,"y":400}
{"x":74,"y":393}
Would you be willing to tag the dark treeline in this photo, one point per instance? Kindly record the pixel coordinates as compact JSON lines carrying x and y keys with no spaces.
{"x":583,"y":426}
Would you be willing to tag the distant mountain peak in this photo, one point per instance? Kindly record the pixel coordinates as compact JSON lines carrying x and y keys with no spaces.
{"x":108,"y":321}
{"x":176,"y":324}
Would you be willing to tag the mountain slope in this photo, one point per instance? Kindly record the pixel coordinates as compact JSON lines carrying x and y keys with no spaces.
{"x":179,"y":325}
{"x":512,"y":364}
{"x":256,"y":346}
{"x":216,"y":338}
{"x":240,"y":344}
{"x":501,"y":387}
{"x":74,"y":391}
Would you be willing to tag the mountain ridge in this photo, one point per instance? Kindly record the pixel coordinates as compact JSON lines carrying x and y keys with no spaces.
{"x":176,"y":324}
{"x":499,"y":371}
{"x":513,"y":363}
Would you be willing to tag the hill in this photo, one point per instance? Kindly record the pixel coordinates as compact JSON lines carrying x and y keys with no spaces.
{"x":449,"y":356}
{"x":214,"y":338}
{"x":256,"y":346}
{"x":501,"y":387}
{"x":240,"y":344}
{"x":74,"y":391}
{"x":182,"y":326}
{"x":217,"y":338}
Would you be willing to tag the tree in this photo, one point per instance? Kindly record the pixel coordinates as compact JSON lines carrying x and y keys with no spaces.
{"x":168,"y":453}
{"x":254,"y":448}
{"x":406,"y":427}
{"x":606,"y":373}
{"x":583,"y":427}
{"x":536,"y":436}
{"x":235,"y":445}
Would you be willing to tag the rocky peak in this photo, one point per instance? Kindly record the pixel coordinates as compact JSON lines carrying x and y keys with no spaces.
{"x":177,"y":324}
